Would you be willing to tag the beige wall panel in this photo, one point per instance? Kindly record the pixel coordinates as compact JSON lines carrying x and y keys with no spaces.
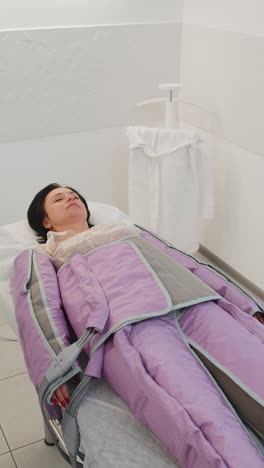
{"x":245,"y":16}
{"x":236,"y":232}
{"x":224,"y":71}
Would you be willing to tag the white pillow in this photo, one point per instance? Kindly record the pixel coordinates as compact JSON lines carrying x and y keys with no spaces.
{"x":107,"y":214}
{"x":16,"y":237}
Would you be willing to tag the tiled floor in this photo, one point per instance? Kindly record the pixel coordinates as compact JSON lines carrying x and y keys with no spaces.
{"x":21,"y":429}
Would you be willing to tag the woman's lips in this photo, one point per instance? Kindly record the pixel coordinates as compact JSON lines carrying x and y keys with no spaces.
{"x":73,"y":204}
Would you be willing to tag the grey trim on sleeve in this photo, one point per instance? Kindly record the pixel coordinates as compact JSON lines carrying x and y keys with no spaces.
{"x":45,"y":316}
{"x":39,"y":309}
{"x":39,"y":329}
{"x":25,"y":286}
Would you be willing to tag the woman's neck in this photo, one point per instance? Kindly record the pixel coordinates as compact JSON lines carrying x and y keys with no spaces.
{"x":76,"y":227}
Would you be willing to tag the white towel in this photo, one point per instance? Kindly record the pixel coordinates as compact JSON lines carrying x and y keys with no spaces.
{"x":170,"y":183}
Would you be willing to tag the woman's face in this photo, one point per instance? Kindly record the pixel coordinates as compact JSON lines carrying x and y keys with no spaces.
{"x":63,"y":207}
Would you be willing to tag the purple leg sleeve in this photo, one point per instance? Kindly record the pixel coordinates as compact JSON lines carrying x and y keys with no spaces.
{"x":167,"y":389}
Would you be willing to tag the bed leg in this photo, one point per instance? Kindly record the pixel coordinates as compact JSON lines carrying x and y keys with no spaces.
{"x":48,"y":438}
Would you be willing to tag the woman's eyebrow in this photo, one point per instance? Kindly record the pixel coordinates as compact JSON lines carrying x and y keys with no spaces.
{"x":61,"y":193}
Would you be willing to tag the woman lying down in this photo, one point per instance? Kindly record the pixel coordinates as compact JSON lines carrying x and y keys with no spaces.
{"x":147,"y":361}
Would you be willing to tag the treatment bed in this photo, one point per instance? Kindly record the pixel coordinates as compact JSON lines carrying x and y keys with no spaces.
{"x":99,"y":429}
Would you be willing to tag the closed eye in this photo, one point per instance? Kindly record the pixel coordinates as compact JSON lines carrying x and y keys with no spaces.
{"x":59,"y":199}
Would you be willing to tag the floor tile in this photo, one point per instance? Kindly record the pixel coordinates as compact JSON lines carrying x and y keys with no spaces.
{"x":3,"y":445}
{"x":40,"y":456}
{"x":13,"y":361}
{"x":7,"y":314}
{"x":7,"y":332}
{"x":2,"y":318}
{"x":20,"y":415}
{"x":6,"y":461}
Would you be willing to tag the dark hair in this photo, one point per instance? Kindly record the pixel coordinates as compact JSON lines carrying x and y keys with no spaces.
{"x":36,"y":211}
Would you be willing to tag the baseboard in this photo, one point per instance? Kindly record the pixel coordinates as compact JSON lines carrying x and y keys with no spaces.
{"x":231,"y":272}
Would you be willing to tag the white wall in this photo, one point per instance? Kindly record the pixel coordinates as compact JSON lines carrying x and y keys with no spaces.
{"x":67,"y":93}
{"x":222,"y":68}
{"x":27,"y":14}
{"x":67,"y":80}
{"x":93,"y":162}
